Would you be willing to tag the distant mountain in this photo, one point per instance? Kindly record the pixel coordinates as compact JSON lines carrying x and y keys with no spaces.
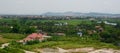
{"x":80,"y":14}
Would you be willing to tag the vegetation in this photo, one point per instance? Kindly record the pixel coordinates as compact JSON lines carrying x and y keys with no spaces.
{"x":97,"y":35}
{"x":66,"y":42}
{"x":8,"y":37}
{"x":11,"y":50}
{"x":13,"y":36}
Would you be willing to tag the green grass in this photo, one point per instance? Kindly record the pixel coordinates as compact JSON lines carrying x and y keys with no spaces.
{"x":8,"y":37}
{"x":71,"y":22}
{"x":13,"y":36}
{"x":70,"y":42}
{"x":4,"y":40}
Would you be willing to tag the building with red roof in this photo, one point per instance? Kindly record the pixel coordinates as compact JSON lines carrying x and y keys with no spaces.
{"x":35,"y":36}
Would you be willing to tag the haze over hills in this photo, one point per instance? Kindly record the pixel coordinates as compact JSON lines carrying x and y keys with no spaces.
{"x":94,"y":14}
{"x":80,"y":14}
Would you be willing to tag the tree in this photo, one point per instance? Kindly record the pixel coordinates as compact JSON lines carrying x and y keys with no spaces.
{"x":109,"y":37}
{"x":117,"y":26}
{"x":29,"y":30}
{"x":102,"y":24}
{"x":106,"y":37}
{"x":16,"y":28}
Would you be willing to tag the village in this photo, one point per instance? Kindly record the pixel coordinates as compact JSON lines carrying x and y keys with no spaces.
{"x":42,"y":36}
{"x":59,"y":26}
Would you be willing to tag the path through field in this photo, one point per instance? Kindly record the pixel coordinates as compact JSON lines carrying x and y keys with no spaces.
{"x":78,"y":50}
{"x":7,"y":44}
{"x":61,"y":50}
{"x":4,"y":45}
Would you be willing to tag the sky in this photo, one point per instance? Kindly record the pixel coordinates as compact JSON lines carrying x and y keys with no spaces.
{"x":42,"y":6}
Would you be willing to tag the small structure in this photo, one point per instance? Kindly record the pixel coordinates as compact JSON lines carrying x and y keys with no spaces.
{"x":108,"y":23}
{"x":65,"y":23}
{"x":59,"y":34}
{"x":80,"y":34}
{"x":92,"y":19}
{"x":58,"y":24}
{"x":90,"y":32}
{"x":61,"y":24}
{"x":35,"y":36}
{"x":99,"y":28}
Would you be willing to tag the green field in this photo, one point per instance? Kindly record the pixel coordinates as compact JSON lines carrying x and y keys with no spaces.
{"x":8,"y":37}
{"x":65,"y":42}
{"x":71,"y":22}
{"x":68,"y":42}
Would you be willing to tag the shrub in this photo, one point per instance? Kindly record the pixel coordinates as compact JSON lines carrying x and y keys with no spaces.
{"x":32,"y":42}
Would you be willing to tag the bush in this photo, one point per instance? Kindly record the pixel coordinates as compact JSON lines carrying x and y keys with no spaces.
{"x":11,"y":50}
{"x":32,"y":42}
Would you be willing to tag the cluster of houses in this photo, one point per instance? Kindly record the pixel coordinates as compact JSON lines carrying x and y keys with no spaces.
{"x":108,"y":23}
{"x":43,"y":36}
{"x":90,"y":32}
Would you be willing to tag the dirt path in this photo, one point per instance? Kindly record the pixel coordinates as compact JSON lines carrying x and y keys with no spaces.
{"x":60,"y":50}
{"x":78,"y":50}
{"x":105,"y":51}
{"x":4,"y":45}
{"x":7,"y":44}
{"x":28,"y":51}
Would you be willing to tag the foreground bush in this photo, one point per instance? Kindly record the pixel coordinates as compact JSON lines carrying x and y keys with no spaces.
{"x":11,"y":50}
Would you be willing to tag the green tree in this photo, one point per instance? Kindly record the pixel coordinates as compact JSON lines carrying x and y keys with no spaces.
{"x":16,"y":28}
{"x":30,"y":30}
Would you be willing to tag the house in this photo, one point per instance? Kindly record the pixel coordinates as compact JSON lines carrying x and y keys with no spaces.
{"x":60,"y":34}
{"x":92,"y":19}
{"x":90,"y":32}
{"x":108,"y":23}
{"x":80,"y":34}
{"x":61,"y":24}
{"x":58,"y":24}
{"x":99,"y":28}
{"x":65,"y":23}
{"x":35,"y":36}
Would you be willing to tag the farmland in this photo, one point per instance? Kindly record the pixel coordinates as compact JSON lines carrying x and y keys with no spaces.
{"x":14,"y":30}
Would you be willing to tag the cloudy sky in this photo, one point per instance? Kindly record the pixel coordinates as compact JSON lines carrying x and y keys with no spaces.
{"x":42,"y":6}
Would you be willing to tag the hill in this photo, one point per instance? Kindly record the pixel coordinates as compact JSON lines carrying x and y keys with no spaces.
{"x":80,"y":14}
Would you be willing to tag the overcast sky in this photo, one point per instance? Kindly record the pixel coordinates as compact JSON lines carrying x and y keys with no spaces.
{"x":42,"y":6}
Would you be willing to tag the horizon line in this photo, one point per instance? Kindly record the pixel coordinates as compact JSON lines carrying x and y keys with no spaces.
{"x":52,"y":12}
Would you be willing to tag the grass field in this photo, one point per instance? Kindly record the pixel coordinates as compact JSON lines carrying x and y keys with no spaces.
{"x":71,"y":22}
{"x":4,"y":40}
{"x":8,"y":37}
{"x":13,"y":36}
{"x":65,"y":42}
{"x":69,"y":42}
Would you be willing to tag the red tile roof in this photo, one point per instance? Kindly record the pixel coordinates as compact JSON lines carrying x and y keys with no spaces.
{"x":34,"y":36}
